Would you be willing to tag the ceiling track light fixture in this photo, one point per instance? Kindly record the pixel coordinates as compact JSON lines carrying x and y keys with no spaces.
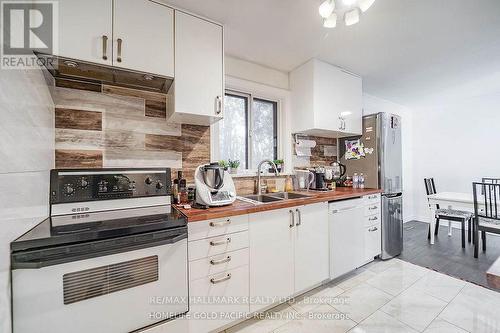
{"x":350,"y":10}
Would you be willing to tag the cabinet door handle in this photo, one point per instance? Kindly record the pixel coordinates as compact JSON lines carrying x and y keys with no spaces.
{"x":373,"y":229}
{"x":220,"y":224}
{"x":373,"y":208}
{"x":119,"y":57}
{"x":218,"y":105}
{"x":292,"y":219}
{"x":373,"y":218}
{"x":220,"y":262}
{"x":222,"y":242}
{"x":104,"y":47}
{"x":299,"y":214}
{"x":225,"y":278}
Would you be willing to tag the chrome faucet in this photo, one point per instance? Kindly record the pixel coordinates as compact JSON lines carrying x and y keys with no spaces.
{"x":271,"y":163}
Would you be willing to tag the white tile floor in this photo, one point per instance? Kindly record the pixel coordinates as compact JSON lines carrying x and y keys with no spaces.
{"x":392,"y":296}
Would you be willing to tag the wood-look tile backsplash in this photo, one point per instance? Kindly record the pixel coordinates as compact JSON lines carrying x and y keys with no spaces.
{"x":121,"y":127}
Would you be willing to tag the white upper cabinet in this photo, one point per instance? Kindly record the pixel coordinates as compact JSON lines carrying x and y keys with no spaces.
{"x":143,"y":36}
{"x":86,"y":30}
{"x":133,"y":34}
{"x":327,"y":101}
{"x":199,"y":70}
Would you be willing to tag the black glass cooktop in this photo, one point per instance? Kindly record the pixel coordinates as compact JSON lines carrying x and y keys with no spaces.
{"x":77,"y":228}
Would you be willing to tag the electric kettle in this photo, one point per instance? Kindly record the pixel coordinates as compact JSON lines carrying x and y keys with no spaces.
{"x":338,"y":170}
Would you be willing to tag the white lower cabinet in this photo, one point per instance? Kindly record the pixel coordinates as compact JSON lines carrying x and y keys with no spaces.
{"x":372,"y":240}
{"x":244,"y":264}
{"x":311,"y":246}
{"x":218,"y":299}
{"x":218,"y":273}
{"x":288,"y":252}
{"x":271,"y":257}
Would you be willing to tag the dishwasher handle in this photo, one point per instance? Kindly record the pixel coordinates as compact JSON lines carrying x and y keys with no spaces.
{"x":345,"y":209}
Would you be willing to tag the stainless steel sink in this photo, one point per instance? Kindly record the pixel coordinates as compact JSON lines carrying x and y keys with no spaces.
{"x":286,"y":195}
{"x":263,"y":198}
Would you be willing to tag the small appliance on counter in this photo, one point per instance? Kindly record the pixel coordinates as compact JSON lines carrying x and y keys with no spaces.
{"x":305,"y":178}
{"x":214,"y":186}
{"x":112,"y":243}
{"x":319,"y":183}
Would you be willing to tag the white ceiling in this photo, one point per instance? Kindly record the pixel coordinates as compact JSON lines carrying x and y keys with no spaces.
{"x":405,"y":50}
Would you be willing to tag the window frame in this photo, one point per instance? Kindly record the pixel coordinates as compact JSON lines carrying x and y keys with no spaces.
{"x":250,"y":98}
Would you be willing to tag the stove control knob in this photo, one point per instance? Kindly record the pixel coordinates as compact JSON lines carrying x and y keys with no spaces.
{"x":84,"y":183}
{"x":148,"y":181}
{"x":68,"y":189}
{"x":159,"y":185}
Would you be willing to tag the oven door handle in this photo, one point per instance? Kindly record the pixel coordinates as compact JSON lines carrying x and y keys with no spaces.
{"x":40,"y":258}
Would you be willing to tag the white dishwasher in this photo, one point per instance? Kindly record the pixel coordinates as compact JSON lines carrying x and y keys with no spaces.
{"x":346,"y":236}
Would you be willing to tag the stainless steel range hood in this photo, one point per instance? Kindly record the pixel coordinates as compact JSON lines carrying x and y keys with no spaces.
{"x":77,"y":70}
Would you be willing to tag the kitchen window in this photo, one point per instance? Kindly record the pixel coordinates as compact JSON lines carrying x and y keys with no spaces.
{"x":249,"y":130}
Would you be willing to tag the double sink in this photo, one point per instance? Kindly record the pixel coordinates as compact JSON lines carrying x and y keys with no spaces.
{"x":273,"y":197}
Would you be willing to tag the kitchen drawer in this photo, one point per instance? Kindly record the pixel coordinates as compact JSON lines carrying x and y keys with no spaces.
{"x":373,"y":209}
{"x":217,"y":227}
{"x":372,"y":220}
{"x":373,"y":242}
{"x":225,"y":293}
{"x":209,"y":247}
{"x":371,"y":199}
{"x":217,"y":264}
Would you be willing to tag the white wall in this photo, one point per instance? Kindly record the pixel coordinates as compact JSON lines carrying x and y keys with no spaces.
{"x":373,"y":105}
{"x":457,"y":140}
{"x":26,"y":156}
{"x":249,"y":71}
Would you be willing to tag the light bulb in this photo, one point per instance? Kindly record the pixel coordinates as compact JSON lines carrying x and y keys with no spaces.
{"x":326,"y":8}
{"x":349,"y":2}
{"x":331,"y":21}
{"x":351,"y":17}
{"x":365,"y":4}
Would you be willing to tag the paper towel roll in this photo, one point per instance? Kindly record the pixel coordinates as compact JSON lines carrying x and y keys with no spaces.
{"x":302,"y":151}
{"x":306,"y":144}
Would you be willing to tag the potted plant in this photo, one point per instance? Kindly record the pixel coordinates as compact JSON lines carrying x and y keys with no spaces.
{"x":233,"y":166}
{"x":279,"y":166}
{"x":224,"y":164}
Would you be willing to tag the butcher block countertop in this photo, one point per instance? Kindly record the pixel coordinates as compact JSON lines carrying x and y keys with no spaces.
{"x":241,"y":207}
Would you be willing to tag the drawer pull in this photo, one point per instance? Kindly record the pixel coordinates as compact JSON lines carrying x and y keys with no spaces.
{"x":372,"y":197}
{"x":373,"y":229}
{"x":220,"y":224}
{"x":225,"y":278}
{"x":219,"y":243}
{"x":373,"y":208}
{"x":220,"y":262}
{"x":373,"y":218}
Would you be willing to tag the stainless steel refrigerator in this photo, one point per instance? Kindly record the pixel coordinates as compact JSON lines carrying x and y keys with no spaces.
{"x":382,"y":168}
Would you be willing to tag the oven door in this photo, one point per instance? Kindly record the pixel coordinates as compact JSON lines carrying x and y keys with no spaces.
{"x":120,"y":291}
